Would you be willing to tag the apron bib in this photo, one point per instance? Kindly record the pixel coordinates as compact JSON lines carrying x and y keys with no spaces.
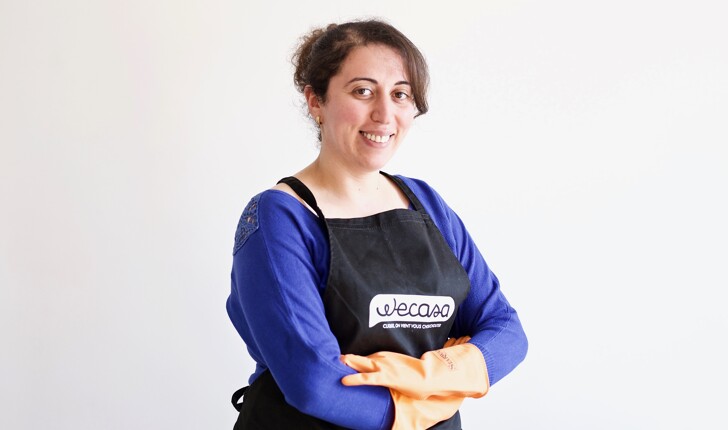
{"x":394,"y":284}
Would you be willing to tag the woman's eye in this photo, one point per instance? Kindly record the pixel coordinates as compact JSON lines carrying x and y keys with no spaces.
{"x":363,"y":91}
{"x":401,"y":95}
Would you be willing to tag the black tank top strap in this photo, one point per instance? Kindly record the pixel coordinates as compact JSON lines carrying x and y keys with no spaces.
{"x":303,"y":192}
{"x":407,"y":191}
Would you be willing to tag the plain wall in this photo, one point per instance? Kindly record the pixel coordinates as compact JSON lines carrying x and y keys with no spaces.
{"x":583,"y":144}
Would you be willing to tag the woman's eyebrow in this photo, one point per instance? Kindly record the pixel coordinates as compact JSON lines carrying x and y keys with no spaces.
{"x":375,"y":82}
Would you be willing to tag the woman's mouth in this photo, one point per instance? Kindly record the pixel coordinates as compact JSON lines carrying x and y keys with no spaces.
{"x":377,"y":138}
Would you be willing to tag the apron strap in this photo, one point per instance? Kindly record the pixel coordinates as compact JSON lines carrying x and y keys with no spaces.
{"x":407,"y":191}
{"x":237,"y":396}
{"x":303,"y":192}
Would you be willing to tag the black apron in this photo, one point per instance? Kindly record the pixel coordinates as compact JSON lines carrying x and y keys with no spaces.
{"x":394,"y":284}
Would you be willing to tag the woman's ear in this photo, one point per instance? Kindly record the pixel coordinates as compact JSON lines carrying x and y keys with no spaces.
{"x":313,"y":101}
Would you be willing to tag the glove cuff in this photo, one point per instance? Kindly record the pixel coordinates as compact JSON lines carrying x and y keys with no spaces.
{"x":467,"y":369}
{"x":480,"y":367}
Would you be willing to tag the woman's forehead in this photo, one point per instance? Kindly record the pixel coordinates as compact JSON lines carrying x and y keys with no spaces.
{"x":378,"y":62}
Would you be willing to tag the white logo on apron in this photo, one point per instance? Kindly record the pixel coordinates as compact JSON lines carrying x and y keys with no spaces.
{"x":410,"y":308}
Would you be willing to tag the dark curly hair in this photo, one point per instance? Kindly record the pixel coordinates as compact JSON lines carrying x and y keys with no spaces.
{"x":322,"y":51}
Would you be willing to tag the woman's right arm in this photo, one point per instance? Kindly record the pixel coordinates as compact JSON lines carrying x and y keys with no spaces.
{"x":279,"y":271}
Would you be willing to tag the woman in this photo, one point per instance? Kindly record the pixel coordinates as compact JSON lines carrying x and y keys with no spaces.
{"x":344,"y":259}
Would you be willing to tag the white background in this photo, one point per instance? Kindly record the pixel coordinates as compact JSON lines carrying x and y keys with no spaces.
{"x":583,"y":143}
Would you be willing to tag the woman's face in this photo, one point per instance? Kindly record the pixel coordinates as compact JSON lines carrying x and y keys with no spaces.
{"x":368,"y":110}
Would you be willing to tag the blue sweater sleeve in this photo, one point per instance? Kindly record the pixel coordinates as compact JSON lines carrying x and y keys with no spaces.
{"x":485,"y":315}
{"x":279,"y":272}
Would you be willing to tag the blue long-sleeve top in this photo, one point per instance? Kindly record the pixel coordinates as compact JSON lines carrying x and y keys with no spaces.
{"x":280,"y":267}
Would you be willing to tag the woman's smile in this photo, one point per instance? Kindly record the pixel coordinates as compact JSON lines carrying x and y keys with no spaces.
{"x":378,"y":138}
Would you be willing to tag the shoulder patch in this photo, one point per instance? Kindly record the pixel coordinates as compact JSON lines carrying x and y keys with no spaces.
{"x":248,"y":223}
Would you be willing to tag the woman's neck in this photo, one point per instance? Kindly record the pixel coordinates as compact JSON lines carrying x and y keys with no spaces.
{"x":342,"y":193}
{"x":344,"y":183}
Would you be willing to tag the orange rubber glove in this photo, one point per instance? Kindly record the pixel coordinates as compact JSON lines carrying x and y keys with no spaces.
{"x":458,"y":369}
{"x":456,"y":341}
{"x":414,"y":414}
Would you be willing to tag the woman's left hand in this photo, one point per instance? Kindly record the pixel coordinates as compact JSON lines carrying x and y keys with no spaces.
{"x":457,"y":370}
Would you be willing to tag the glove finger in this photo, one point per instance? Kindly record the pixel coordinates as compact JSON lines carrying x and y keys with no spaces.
{"x":464,"y":339}
{"x":453,"y":341}
{"x":461,"y":340}
{"x":359,"y":363}
{"x":361,"y":379}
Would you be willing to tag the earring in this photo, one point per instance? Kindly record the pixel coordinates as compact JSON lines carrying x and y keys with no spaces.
{"x":318,"y":120}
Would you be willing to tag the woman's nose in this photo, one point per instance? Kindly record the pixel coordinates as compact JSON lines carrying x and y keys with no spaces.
{"x":382,"y":110}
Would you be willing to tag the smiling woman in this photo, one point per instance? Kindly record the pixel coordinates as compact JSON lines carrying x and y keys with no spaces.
{"x":360,"y":295}
{"x":368,"y":110}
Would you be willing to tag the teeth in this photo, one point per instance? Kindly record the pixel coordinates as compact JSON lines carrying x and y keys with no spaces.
{"x":375,"y":138}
